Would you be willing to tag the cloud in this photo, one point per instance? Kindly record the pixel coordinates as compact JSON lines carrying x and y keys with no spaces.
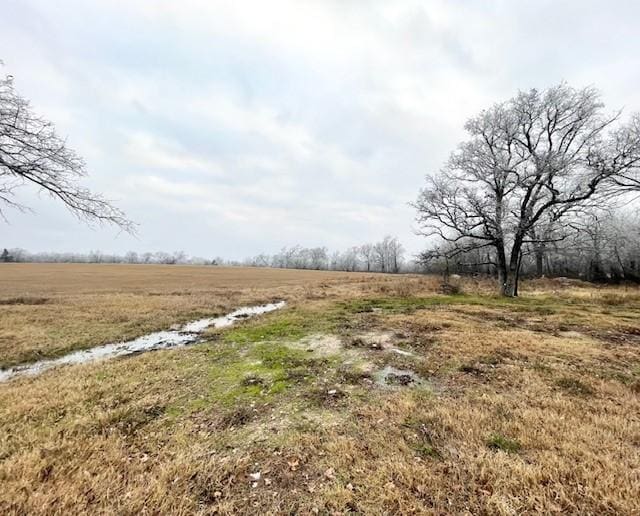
{"x":232,"y":128}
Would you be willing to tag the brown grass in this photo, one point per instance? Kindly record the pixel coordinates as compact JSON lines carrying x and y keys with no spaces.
{"x":528,"y":406}
{"x":84,"y":305}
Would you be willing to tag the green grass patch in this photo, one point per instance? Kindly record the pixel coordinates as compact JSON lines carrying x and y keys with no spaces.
{"x":502,"y":443}
{"x":427,"y":451}
{"x":257,"y":372}
{"x":538,"y":305}
{"x":291,"y":324}
{"x":279,"y":356}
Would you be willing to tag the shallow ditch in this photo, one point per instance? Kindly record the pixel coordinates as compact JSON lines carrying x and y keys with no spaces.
{"x":188,"y":334}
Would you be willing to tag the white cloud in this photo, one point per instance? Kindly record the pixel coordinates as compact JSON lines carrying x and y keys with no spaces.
{"x":151,"y":151}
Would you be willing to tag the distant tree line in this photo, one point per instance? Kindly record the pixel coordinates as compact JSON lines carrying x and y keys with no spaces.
{"x":178,"y":257}
{"x":384,"y":256}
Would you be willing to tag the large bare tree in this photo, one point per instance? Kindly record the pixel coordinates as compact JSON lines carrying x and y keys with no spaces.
{"x":32,"y":153}
{"x":527,"y":163}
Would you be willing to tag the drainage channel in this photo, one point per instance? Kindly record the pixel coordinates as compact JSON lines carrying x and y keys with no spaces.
{"x":187,"y":334}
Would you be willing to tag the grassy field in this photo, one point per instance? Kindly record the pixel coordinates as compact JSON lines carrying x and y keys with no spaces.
{"x":49,"y":310}
{"x":490,"y":406}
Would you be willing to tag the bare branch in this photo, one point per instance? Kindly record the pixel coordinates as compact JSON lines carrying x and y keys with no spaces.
{"x":32,"y":153}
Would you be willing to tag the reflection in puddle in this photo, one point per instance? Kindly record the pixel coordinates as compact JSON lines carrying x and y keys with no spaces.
{"x":188,"y":334}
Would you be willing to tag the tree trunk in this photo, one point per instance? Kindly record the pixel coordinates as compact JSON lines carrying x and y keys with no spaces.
{"x":539,"y":262}
{"x":509,"y":287}
{"x":515,"y":293}
{"x":503,"y":272}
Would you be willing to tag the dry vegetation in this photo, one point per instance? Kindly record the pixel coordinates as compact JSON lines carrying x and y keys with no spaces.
{"x":526,"y":405}
{"x":49,"y":310}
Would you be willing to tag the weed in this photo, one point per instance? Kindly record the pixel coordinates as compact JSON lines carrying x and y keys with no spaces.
{"x":427,"y":450}
{"x":279,"y":329}
{"x":421,"y":430}
{"x":575,"y":386}
{"x":500,"y":442}
{"x":253,"y":379}
{"x":399,"y":379}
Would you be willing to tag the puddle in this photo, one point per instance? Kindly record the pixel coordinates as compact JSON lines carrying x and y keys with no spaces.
{"x":182,"y":336}
{"x":393,"y":377}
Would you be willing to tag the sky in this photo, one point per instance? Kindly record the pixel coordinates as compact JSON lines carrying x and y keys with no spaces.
{"x":236,"y":128}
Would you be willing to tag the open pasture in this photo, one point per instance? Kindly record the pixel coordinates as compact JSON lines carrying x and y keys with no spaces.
{"x":369,"y":394}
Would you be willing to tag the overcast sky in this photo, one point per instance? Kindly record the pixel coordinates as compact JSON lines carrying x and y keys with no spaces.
{"x":233,"y":128}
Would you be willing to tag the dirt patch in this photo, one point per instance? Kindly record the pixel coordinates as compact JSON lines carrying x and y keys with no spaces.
{"x":378,"y":341}
{"x":326,"y":397}
{"x":322,"y":344}
{"x":390,"y":377}
{"x":375,"y":339}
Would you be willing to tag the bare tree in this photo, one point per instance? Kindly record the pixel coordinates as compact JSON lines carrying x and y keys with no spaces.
{"x":534,"y":157}
{"x":366,"y":252}
{"x":380,"y":256}
{"x":32,"y":153}
{"x":319,"y":258}
{"x":387,"y":254}
{"x":395,"y":252}
{"x":131,"y":257}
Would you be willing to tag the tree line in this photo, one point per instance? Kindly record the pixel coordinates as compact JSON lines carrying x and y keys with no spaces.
{"x":601,"y":245}
{"x":386,"y":255}
{"x":19,"y":255}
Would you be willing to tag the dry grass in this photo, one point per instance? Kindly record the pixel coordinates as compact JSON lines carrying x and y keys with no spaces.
{"x":527,"y":406}
{"x":49,"y":310}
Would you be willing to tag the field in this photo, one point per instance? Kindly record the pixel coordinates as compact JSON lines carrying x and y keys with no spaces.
{"x":371,"y":394}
